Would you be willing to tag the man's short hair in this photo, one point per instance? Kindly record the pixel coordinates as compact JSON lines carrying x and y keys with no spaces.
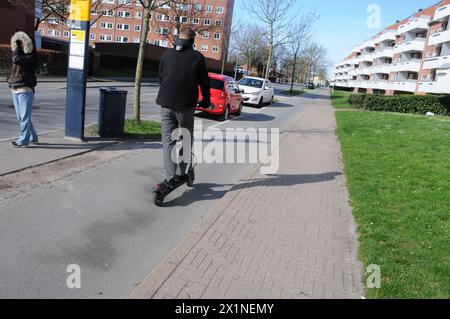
{"x":187,"y":33}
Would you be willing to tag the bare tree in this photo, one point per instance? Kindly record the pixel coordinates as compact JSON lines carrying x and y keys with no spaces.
{"x":251,"y":45}
{"x":148,"y":6}
{"x":188,"y":13}
{"x":58,"y":10}
{"x":273,"y":14}
{"x":315,"y":56}
{"x":299,"y":36}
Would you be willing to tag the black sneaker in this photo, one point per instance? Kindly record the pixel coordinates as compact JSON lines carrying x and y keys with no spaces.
{"x":34,"y":142}
{"x":18,"y":145}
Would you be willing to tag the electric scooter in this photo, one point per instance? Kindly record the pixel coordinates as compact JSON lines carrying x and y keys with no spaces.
{"x":162,"y":190}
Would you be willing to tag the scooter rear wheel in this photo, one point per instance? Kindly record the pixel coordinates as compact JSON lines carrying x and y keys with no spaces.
{"x":158,"y":199}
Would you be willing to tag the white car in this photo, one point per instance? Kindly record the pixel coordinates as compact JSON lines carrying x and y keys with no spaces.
{"x":256,"y":91}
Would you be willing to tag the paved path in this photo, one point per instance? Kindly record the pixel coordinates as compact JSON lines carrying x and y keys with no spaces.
{"x":289,"y":235}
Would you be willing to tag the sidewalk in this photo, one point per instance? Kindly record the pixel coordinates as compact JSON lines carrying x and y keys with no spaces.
{"x":289,"y":235}
{"x":52,"y":147}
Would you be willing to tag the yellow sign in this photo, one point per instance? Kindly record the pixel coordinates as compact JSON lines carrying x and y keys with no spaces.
{"x":77,"y":36}
{"x":80,"y":10}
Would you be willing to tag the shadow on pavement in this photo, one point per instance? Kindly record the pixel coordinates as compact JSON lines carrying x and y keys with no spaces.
{"x":205,"y":191}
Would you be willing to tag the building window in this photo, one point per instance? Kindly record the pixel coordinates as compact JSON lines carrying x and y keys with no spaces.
{"x":41,"y":31}
{"x":207,"y":22}
{"x":66,"y":34}
{"x":208,"y":8}
{"x":92,"y":36}
{"x":137,"y":28}
{"x":54,"y":33}
{"x":204,"y":47}
{"x":122,"y":39}
{"x":108,"y":13}
{"x":124,"y":14}
{"x":216,"y":36}
{"x":138,"y":15}
{"x":218,"y":23}
{"x":105,"y":37}
{"x":106,"y":25}
{"x":220,"y":10}
{"x":215,"y":49}
{"x":123,"y":27}
{"x":94,"y":25}
{"x":206,"y":35}
{"x":164,"y":31}
{"x":195,"y":21}
{"x":197,"y":7}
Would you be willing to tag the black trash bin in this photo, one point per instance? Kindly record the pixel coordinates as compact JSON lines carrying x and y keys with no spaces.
{"x":111,"y":117}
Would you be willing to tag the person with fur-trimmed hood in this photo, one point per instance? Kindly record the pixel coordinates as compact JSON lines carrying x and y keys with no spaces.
{"x":22,"y":82}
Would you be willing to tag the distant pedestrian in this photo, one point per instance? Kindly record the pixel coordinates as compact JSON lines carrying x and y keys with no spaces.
{"x":182,"y":71}
{"x":22,"y":82}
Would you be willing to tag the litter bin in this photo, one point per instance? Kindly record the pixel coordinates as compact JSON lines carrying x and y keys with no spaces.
{"x":111,"y":117}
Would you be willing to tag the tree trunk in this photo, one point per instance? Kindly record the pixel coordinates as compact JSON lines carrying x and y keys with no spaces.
{"x":223,"y":63}
{"x":269,"y":62}
{"x":293,"y":72}
{"x":140,"y":64}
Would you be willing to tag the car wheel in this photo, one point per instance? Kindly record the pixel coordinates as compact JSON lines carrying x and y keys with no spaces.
{"x":261,"y":102}
{"x":239,"y":112}
{"x":271,"y":101}
{"x":225,"y":115}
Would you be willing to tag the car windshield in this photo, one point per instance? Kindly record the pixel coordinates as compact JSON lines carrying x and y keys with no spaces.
{"x":216,"y":84}
{"x":251,"y":82}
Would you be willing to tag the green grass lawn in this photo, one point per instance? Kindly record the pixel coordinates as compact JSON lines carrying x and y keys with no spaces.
{"x":145,"y":130}
{"x":398,"y":173}
{"x":339,"y":99}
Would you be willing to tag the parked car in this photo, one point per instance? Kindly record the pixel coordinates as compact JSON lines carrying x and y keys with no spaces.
{"x":256,"y":91}
{"x":311,"y":86}
{"x":226,"y":97}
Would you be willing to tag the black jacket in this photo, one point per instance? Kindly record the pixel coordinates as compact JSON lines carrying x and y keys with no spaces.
{"x":23,"y":72}
{"x":181,"y":72}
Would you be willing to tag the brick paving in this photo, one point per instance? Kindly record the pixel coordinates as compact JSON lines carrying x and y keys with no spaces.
{"x":289,"y":235}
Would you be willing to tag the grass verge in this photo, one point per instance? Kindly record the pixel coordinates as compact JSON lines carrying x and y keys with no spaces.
{"x":145,"y":130}
{"x":397,"y":167}
{"x":339,"y":99}
{"x":294,"y":92}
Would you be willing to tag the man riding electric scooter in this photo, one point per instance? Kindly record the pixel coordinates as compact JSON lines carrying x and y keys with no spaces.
{"x":181,"y":71}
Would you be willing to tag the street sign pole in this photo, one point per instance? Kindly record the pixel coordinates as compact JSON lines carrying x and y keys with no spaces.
{"x":80,"y":12}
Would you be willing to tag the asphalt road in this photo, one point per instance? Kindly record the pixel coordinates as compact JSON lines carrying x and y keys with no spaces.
{"x":103,"y":219}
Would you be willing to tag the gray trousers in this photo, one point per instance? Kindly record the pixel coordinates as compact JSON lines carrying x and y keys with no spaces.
{"x":171,"y":120}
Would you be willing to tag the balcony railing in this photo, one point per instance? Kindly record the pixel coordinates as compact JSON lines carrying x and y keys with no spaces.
{"x":382,"y":68}
{"x":418,"y":44}
{"x":415,"y":24}
{"x":412,"y":66}
{"x":386,"y":52}
{"x":436,"y":62}
{"x":406,"y":86}
{"x":386,"y":36}
{"x":439,"y":37}
{"x":442,"y":13}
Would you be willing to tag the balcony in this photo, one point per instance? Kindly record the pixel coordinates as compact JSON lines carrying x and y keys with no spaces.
{"x":436,"y":62}
{"x":384,"y":53}
{"x":439,"y":37}
{"x":382,"y":68}
{"x":442,"y":13}
{"x":418,"y":44}
{"x":364,"y":71}
{"x":411,"y":66}
{"x":405,"y":86}
{"x":386,"y":36}
{"x":420,"y":23}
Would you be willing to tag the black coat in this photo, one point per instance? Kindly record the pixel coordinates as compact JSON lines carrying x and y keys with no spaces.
{"x":23,"y":72}
{"x":181,"y":72}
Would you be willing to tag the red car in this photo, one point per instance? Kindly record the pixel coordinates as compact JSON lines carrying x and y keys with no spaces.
{"x":226,"y":97}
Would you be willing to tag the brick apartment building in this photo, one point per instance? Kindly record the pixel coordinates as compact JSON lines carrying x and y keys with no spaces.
{"x":410,"y":56}
{"x":120,"y":21}
{"x":15,"y":17}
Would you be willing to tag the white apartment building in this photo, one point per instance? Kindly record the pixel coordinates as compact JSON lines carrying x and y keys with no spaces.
{"x":410,"y":56}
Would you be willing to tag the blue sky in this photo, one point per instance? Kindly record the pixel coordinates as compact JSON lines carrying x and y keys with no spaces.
{"x":343,"y":22}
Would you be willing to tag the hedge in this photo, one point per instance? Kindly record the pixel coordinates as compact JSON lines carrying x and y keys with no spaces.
{"x":419,"y":104}
{"x":50,"y":62}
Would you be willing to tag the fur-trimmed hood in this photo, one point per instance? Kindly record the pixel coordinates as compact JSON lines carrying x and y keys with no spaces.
{"x":26,"y":42}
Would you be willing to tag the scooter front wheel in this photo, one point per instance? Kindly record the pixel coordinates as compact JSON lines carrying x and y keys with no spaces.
{"x":191,"y":178}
